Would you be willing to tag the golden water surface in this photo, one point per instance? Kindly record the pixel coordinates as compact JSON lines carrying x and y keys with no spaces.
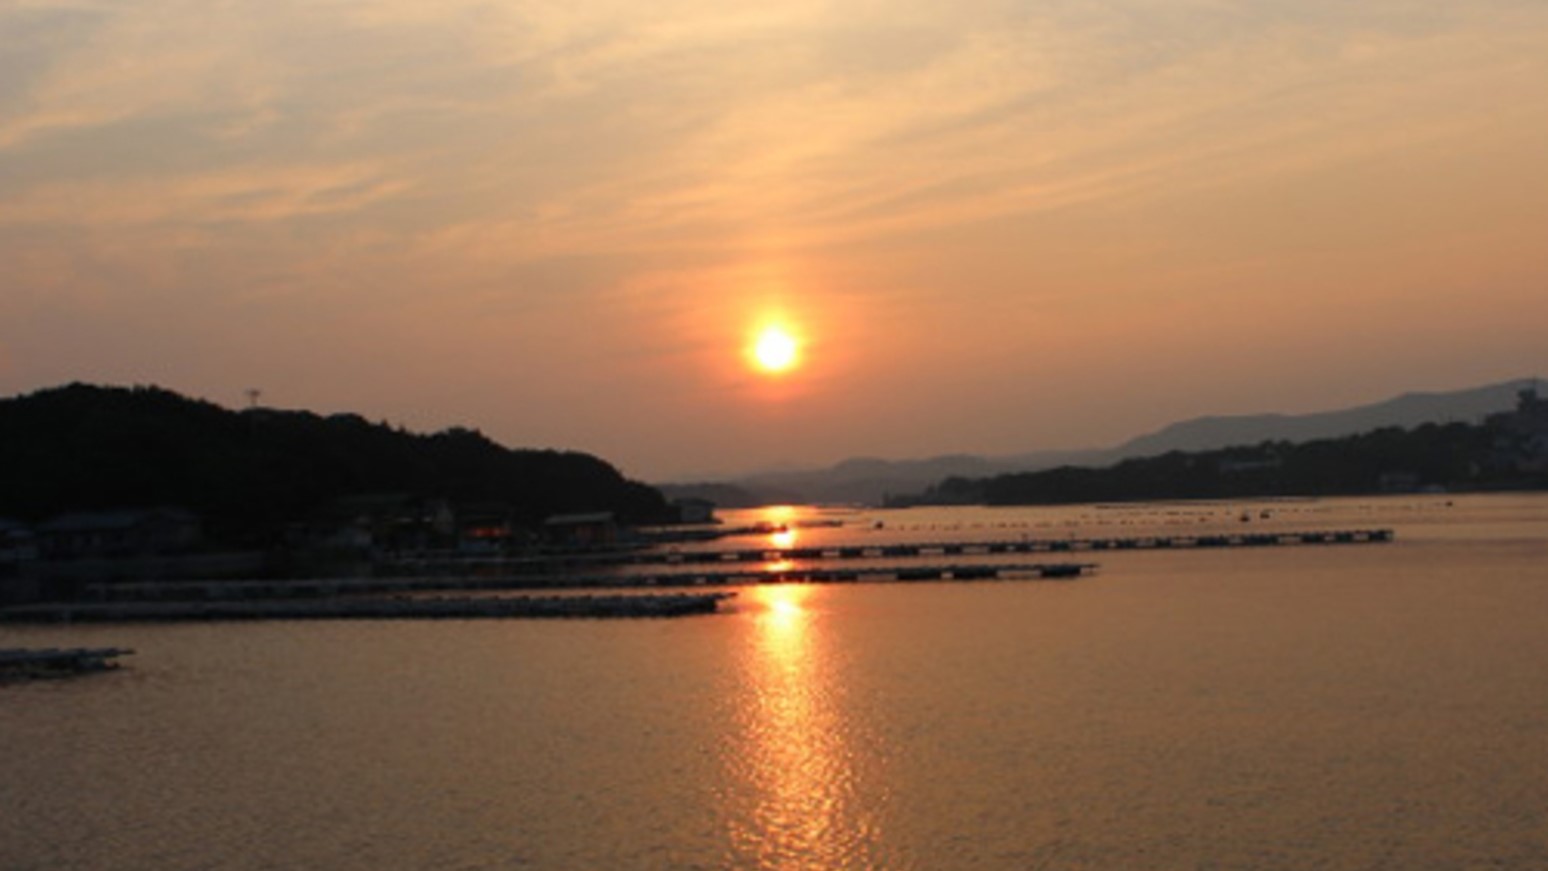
{"x":1381,"y":706}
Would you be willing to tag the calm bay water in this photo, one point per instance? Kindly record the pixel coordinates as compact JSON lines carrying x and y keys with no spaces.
{"x":1380,"y":706}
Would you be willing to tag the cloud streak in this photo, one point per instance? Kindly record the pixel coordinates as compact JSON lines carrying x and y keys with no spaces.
{"x":602,"y":128}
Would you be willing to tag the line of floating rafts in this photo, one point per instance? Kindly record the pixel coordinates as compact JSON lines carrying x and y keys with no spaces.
{"x":24,"y":663}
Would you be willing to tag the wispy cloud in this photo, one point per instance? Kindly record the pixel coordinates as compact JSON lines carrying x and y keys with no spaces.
{"x":258,"y":194}
{"x":603,"y":126}
{"x":680,"y":162}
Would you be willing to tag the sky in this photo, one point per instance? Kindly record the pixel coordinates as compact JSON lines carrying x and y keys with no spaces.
{"x":989,"y":226}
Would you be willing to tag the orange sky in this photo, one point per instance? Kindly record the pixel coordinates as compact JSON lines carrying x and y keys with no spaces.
{"x":996,"y":227}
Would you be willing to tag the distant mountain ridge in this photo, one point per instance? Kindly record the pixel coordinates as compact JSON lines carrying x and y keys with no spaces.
{"x":867,"y":480}
{"x":1407,"y":410}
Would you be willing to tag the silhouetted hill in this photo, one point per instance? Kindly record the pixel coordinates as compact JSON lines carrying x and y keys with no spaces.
{"x":1509,"y":451}
{"x":84,"y":447}
{"x":723,"y":495}
{"x":861,"y":480}
{"x":1408,"y":410}
{"x":869,"y":481}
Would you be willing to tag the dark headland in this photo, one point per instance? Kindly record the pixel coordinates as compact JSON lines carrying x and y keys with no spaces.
{"x":114,"y":484}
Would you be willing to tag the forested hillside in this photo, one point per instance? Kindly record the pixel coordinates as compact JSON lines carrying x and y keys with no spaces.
{"x":85,"y":447}
{"x":1450,"y":457}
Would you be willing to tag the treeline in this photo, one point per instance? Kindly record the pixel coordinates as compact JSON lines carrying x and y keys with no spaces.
{"x":82,"y":447}
{"x":1451,"y":457}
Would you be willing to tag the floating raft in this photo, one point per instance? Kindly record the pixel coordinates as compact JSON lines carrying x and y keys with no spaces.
{"x":57,"y":662}
{"x":848,"y":551}
{"x":1029,"y":545}
{"x":379,"y":608}
{"x":329,"y":590}
{"x":856,"y":574}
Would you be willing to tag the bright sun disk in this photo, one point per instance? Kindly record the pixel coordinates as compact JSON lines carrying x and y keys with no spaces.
{"x":775,"y":350}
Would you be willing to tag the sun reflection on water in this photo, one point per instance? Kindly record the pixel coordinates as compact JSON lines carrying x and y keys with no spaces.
{"x":782,"y":538}
{"x":797,"y":765}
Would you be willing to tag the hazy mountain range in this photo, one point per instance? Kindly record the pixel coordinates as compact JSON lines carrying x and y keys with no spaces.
{"x":868,"y":480}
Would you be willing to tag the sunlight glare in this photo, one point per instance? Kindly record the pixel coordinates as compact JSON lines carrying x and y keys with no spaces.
{"x":786,"y":610}
{"x":775,"y":350}
{"x":784,"y":605}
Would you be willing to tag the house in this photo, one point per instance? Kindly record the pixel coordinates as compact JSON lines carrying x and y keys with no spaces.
{"x":17,"y":543}
{"x":485,"y":527}
{"x":18,"y":564}
{"x":1521,"y":441}
{"x":389,"y":522}
{"x":582,"y":530}
{"x":132,"y":532}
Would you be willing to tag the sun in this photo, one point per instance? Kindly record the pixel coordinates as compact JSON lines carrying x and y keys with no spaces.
{"x":776,"y":350}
